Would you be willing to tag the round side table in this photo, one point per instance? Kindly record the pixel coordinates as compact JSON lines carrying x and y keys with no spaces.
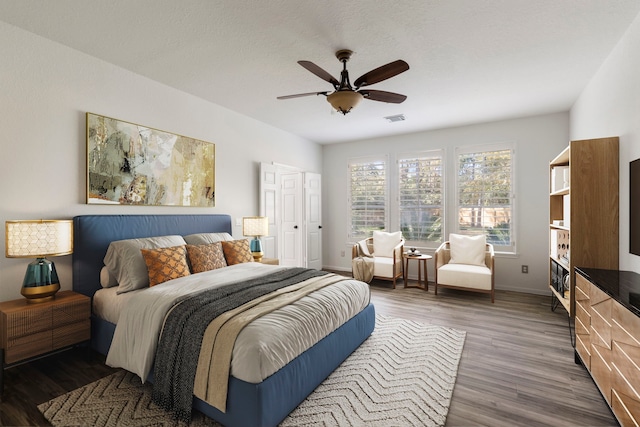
{"x":422,"y":260}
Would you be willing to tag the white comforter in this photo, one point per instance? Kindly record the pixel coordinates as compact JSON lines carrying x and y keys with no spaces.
{"x":262,"y":348}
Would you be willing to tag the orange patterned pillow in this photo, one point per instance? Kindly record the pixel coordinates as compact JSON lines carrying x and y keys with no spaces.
{"x":165,"y":263}
{"x":237,"y":251}
{"x":206,"y":257}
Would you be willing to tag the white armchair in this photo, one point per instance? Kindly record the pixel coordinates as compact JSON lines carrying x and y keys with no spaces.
{"x":466,"y":263}
{"x":386,"y":250}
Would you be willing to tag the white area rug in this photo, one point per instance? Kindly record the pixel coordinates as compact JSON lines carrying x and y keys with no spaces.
{"x":403,"y":375}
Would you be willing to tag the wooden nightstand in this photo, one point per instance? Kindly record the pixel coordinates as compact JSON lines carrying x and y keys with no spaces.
{"x":31,"y":330}
{"x":271,"y":261}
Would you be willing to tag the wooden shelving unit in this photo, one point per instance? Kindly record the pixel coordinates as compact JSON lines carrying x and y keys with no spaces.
{"x":583,"y":212}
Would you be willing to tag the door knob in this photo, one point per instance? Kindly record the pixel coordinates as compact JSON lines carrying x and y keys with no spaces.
{"x":295,"y":226}
{"x":319,"y":226}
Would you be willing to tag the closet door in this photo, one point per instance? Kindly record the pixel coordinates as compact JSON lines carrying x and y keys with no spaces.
{"x":269,"y":207}
{"x":313,"y":219}
{"x":291,"y":253}
{"x":292,"y":200}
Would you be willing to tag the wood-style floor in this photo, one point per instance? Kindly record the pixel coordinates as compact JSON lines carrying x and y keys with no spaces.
{"x":517,"y":367}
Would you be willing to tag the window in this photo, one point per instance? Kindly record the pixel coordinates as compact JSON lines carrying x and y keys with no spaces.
{"x":485,"y":194}
{"x":420,"y":197}
{"x":367,"y":196}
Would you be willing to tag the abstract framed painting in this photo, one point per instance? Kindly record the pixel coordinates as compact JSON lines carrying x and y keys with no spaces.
{"x":130,"y":164}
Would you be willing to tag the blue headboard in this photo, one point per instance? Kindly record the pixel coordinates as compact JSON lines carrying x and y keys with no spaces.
{"x":93,"y":233}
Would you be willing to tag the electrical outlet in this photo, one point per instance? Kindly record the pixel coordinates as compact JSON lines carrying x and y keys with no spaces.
{"x":525,"y":269}
{"x":342,"y":254}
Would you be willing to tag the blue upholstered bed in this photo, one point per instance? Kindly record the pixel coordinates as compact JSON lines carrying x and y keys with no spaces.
{"x":263,"y":404}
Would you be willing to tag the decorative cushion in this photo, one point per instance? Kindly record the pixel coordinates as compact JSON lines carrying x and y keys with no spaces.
{"x":206,"y":238}
{"x":125,"y":262}
{"x":465,"y":276}
{"x":165,"y":264}
{"x":467,"y":249}
{"x":106,"y":279}
{"x":383,"y":267}
{"x":384,"y":243}
{"x":206,"y":257}
{"x":237,"y":251}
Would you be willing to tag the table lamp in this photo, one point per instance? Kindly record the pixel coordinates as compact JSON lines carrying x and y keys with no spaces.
{"x":255,"y":226}
{"x":39,"y":239}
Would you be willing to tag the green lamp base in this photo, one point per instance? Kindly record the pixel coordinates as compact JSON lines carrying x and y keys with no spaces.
{"x":40,"y":281}
{"x":256,"y":249}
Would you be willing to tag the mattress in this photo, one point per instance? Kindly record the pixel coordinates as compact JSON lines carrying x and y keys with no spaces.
{"x":270,"y":342}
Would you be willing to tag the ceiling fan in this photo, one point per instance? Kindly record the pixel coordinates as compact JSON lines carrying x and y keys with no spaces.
{"x":345,"y":96}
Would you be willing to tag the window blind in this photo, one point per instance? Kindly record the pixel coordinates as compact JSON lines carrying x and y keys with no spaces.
{"x":367,"y":197}
{"x":420,"y":197}
{"x":485,"y":195}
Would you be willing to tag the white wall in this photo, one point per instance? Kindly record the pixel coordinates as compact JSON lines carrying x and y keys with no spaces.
{"x":610,"y":106}
{"x":537,"y":140}
{"x":47,"y":89}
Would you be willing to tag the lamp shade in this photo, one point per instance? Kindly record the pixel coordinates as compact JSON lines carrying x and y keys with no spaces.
{"x":38,"y":238}
{"x":255,"y":226}
{"x":344,"y":100}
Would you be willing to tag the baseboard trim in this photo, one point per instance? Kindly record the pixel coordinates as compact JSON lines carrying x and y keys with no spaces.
{"x":534,"y":291}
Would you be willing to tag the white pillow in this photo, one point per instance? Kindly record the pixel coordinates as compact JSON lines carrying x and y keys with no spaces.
{"x":126,"y":263}
{"x":207,"y":238}
{"x":467,"y":249}
{"x":384,"y":243}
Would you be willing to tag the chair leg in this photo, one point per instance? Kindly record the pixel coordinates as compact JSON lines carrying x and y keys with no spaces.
{"x":394,"y":282}
{"x":436,"y":288}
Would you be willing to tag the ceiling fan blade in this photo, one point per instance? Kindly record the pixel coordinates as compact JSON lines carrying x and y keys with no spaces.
{"x":382,"y":73}
{"x":383,"y":96}
{"x":320,"y":73}
{"x":299,"y":95}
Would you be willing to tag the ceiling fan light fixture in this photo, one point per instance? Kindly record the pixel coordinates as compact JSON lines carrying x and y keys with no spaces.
{"x":344,"y":100}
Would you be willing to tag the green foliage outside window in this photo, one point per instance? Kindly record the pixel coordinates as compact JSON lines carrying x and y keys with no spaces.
{"x":484,"y":195}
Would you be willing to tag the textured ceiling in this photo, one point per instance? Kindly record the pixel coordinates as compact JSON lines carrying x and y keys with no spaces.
{"x":471,"y":60}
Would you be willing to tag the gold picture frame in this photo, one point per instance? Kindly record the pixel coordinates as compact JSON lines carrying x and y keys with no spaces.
{"x":130,"y":164}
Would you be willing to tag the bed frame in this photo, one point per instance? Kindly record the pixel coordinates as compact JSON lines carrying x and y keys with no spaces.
{"x":256,"y":405}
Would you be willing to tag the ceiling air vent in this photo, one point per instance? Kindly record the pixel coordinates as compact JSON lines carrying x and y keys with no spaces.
{"x":396,"y":118}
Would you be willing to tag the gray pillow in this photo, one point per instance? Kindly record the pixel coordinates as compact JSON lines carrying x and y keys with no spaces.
{"x":125,"y":262}
{"x":106,"y":279}
{"x":207,"y":238}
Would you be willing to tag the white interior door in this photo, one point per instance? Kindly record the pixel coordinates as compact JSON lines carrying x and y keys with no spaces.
{"x":270,"y":207}
{"x":291,"y":253}
{"x":313,"y":219}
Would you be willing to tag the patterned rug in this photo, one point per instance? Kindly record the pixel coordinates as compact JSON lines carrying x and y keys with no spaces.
{"x":403,"y":374}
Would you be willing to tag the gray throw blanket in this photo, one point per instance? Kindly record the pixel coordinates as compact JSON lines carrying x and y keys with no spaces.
{"x":177,"y":354}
